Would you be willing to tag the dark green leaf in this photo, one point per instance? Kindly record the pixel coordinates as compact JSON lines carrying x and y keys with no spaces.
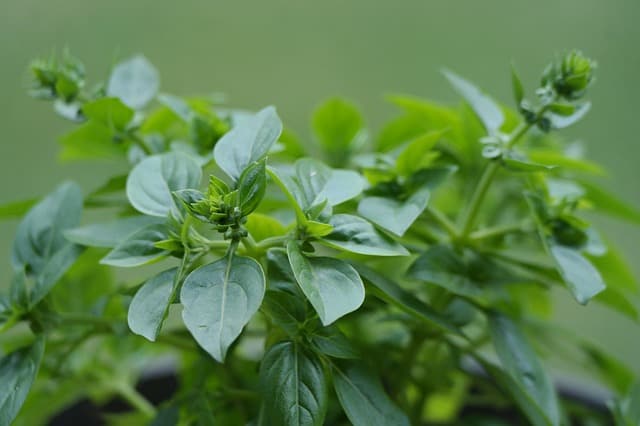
{"x":247,"y":142}
{"x":40,"y":234}
{"x":135,"y":81}
{"x":485,"y":108}
{"x":392,"y":293}
{"x":393,"y":215}
{"x":110,"y":234}
{"x":522,"y":365}
{"x":18,"y":292}
{"x":152,"y":181}
{"x":284,"y":309}
{"x":363,"y":399}
{"x":332,"y":286}
{"x":252,"y":185}
{"x":138,"y":248}
{"x":295,"y":388}
{"x":18,"y":370}
{"x":53,"y":270}
{"x":332,"y":342}
{"x":627,"y":409}
{"x":219,"y":300}
{"x":150,"y":305}
{"x":356,"y":235}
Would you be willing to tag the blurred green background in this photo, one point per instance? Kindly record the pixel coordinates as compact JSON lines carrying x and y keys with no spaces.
{"x":295,"y":53}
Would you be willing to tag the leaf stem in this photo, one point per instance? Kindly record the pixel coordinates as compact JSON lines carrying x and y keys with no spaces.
{"x":446,"y":224}
{"x":135,"y":398}
{"x":497,"y":231}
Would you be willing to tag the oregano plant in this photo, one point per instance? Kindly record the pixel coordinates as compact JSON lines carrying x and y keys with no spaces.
{"x":398,"y":277}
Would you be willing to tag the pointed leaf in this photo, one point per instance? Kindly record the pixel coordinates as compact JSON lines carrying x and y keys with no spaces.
{"x":53,"y":270}
{"x":356,"y":235}
{"x":109,"y":234}
{"x":135,"y":81}
{"x":138,"y":248}
{"x":150,"y":305}
{"x":363,"y":399}
{"x":393,"y":215}
{"x":295,"y":388}
{"x":219,"y":300}
{"x":578,"y":273}
{"x":332,"y":286}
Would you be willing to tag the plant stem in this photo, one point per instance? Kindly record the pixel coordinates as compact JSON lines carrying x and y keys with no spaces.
{"x":267,"y":243}
{"x":135,"y":399}
{"x":443,"y":221}
{"x":497,"y":231}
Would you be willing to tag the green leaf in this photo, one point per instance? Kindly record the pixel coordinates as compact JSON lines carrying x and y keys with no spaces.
{"x":294,"y":384}
{"x":114,"y":184}
{"x":522,"y":165}
{"x":152,"y":181}
{"x":18,"y":370}
{"x":91,"y":140}
{"x":393,"y":215}
{"x":332,"y":286}
{"x":485,"y":108}
{"x":252,"y":185}
{"x":40,"y":234}
{"x":332,"y":342}
{"x":261,"y":226}
{"x":18,"y":294}
{"x":135,"y":81}
{"x":392,"y":293}
{"x":110,"y":112}
{"x":516,"y":84}
{"x":364,"y":400}
{"x":138,"y":248}
{"x":16,"y":208}
{"x":317,"y":229}
{"x":615,"y":270}
{"x":53,"y":270}
{"x":627,"y":409}
{"x":356,"y":235}
{"x":283,"y":308}
{"x":150,"y":305}
{"x":110,"y":234}
{"x":552,"y":157}
{"x":578,"y":273}
{"x":219,"y":300}
{"x":247,"y":142}
{"x":523,"y":366}
{"x":177,"y":105}
{"x":618,"y":301}
{"x":612,"y":371}
{"x":336,"y":123}
{"x":562,"y":120}
{"x":318,"y":182}
{"x":608,"y":203}
{"x":417,"y":154}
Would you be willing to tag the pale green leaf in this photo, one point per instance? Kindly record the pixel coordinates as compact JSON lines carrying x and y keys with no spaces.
{"x":150,"y":305}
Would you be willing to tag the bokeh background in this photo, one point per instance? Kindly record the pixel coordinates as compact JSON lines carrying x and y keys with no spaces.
{"x":294,"y":53}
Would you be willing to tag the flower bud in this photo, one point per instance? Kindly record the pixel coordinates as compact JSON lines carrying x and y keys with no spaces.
{"x":571,"y":76}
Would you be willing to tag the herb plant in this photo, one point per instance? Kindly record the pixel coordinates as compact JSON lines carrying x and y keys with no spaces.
{"x":391,"y":280}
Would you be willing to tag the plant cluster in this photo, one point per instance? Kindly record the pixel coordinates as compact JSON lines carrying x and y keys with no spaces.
{"x":391,"y":280}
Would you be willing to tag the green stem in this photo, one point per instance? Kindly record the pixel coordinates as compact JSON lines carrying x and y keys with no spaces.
{"x":267,"y":243}
{"x":443,"y":221}
{"x":497,"y":231}
{"x":135,"y":399}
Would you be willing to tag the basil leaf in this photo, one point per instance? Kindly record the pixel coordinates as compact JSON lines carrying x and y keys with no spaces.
{"x":40,"y":234}
{"x":393,"y":215}
{"x":318,"y":182}
{"x":110,"y":112}
{"x":152,"y":181}
{"x":337,"y":123}
{"x":247,"y":142}
{"x":261,"y":226}
{"x":18,"y":370}
{"x":135,"y":81}
{"x":332,"y":286}
{"x":219,"y":300}
{"x":109,"y":234}
{"x":363,"y":399}
{"x":417,"y":154}
{"x":294,"y":384}
{"x":150,"y":305}
{"x":138,"y":248}
{"x":578,"y":273}
{"x":54,"y":269}
{"x":356,"y":235}
{"x":524,"y":368}
{"x":332,"y":342}
{"x":483,"y":106}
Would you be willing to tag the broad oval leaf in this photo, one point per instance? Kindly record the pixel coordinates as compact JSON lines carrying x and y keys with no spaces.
{"x":109,"y":234}
{"x":262,"y":226}
{"x":364,"y":400}
{"x":294,"y":384}
{"x":484,"y":107}
{"x":356,"y":235}
{"x":248,"y":141}
{"x":578,"y":273}
{"x":135,"y":81}
{"x":522,"y":365}
{"x":40,"y":234}
{"x":18,"y":370}
{"x":318,"y":182}
{"x":332,"y":286}
{"x":138,"y":248}
{"x":219,"y":300}
{"x":152,"y":181}
{"x":417,"y":153}
{"x":110,"y":112}
{"x":149,"y":306}
{"x":393,"y":215}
